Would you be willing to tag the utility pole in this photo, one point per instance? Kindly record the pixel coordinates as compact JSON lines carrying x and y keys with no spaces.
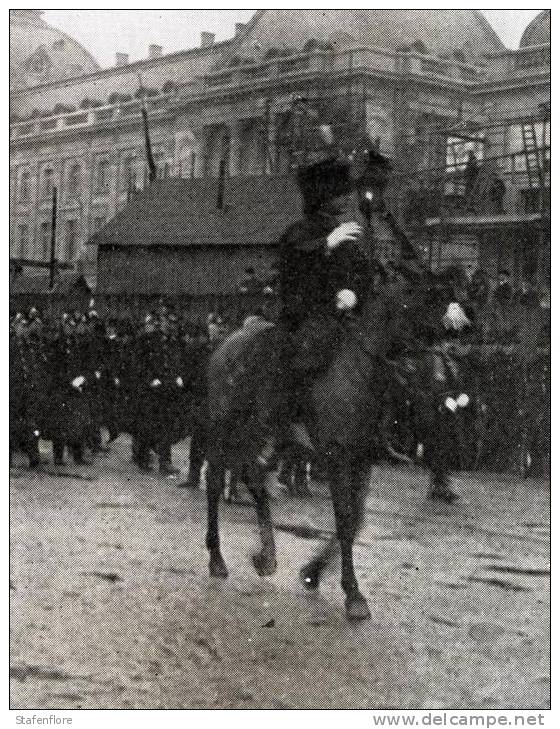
{"x":267,"y":161}
{"x":53,"y":240}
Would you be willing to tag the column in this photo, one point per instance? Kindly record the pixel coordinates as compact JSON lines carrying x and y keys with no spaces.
{"x":200,"y":162}
{"x":235,"y":136}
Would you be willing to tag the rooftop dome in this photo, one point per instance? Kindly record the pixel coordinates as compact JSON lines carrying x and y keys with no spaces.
{"x":441,"y":31}
{"x":537,"y":32}
{"x":40,"y":53}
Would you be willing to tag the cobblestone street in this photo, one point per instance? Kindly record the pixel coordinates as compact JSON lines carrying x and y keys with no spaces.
{"x":112,"y":606}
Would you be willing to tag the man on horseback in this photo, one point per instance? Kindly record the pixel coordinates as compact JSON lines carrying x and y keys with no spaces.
{"x":323,"y":280}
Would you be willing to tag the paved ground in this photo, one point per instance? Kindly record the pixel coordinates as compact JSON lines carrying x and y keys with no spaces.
{"x":112,"y":606}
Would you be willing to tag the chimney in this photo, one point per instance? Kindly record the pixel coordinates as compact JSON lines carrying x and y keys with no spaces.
{"x":207,"y":39}
{"x":154,"y":51}
{"x":239,"y":28}
{"x":121,"y":59}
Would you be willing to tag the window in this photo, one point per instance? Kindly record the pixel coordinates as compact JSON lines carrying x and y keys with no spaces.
{"x":71,"y":239}
{"x":23,"y":240}
{"x":74,"y":180}
{"x":45,"y":241}
{"x":128,"y":180}
{"x":24,"y":186}
{"x":103,"y":174}
{"x":38,"y":62}
{"x":516,"y":145}
{"x":48,"y":183}
{"x":528,"y":59}
{"x":458,"y":153}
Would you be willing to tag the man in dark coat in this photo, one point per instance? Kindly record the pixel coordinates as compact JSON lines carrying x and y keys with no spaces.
{"x":157,"y":387}
{"x":24,"y":433}
{"x":70,"y":420}
{"x":323,"y":275}
{"x":323,"y":279}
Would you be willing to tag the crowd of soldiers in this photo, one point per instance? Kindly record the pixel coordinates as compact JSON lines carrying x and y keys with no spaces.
{"x":79,"y":380}
{"x":503,"y":358}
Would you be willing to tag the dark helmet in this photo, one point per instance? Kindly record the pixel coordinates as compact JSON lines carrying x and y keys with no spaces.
{"x":323,"y":181}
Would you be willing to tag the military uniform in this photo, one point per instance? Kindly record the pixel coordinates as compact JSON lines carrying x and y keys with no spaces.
{"x":158,"y":386}
{"x":70,"y":420}
{"x":24,"y":432}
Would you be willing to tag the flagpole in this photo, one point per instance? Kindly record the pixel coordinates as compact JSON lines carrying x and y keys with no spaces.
{"x":152,"y":169}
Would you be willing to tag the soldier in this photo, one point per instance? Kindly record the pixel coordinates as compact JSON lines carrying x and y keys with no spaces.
{"x":91,"y":344}
{"x":155,"y":388}
{"x":24,"y":432}
{"x":250,"y":284}
{"x":322,"y":278}
{"x":70,"y":417}
{"x":113,"y":380}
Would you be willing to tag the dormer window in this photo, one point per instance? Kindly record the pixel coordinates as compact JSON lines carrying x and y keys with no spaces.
{"x":38,"y":63}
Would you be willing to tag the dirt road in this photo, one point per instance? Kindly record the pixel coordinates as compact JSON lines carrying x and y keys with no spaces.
{"x":112,"y":606}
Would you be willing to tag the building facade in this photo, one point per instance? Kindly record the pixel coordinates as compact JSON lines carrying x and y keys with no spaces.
{"x":400,"y":75}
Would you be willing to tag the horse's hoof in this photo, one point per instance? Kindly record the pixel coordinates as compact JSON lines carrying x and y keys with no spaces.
{"x":444,"y":494}
{"x":217,"y":568}
{"x":309,"y":578}
{"x":264,"y":565}
{"x":357,"y":608}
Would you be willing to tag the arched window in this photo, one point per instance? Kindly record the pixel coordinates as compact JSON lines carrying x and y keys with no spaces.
{"x":23,"y":240}
{"x":45,"y":241}
{"x":74,"y":179}
{"x":48,"y":183}
{"x":128,"y":178}
{"x":103,"y":170}
{"x":24,"y":186}
{"x":71,"y":239}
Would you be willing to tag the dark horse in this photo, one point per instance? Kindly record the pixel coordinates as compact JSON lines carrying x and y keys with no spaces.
{"x":344,"y":411}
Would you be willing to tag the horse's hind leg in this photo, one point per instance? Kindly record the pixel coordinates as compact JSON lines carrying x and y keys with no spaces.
{"x":348,"y":495}
{"x":310,"y":575}
{"x":265,"y":560}
{"x":217,"y":566}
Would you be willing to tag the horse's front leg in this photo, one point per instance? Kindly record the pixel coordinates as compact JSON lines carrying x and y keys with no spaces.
{"x":217,"y":566}
{"x":348,"y":496}
{"x":265,"y":560}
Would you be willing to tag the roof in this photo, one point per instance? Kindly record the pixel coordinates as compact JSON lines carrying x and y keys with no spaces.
{"x":537,"y":33}
{"x":441,"y":30}
{"x":40,"y":53}
{"x":65,"y":282}
{"x":178,"y":212}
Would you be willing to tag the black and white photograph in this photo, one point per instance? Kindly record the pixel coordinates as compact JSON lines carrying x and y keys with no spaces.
{"x":280,"y":364}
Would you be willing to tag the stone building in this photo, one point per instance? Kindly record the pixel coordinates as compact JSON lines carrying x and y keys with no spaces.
{"x":400,"y":74}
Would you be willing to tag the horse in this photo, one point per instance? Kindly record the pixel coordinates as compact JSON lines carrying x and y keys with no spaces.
{"x":341,"y":425}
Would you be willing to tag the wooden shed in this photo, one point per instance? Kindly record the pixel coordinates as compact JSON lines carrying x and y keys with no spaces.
{"x":173,"y":241}
{"x":71,"y":292}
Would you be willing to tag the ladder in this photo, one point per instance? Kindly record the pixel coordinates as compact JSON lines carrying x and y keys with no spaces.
{"x":531,"y":152}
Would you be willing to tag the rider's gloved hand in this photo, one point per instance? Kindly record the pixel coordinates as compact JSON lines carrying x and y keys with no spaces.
{"x":346,"y":300}
{"x":345,"y":231}
{"x":455,"y":317}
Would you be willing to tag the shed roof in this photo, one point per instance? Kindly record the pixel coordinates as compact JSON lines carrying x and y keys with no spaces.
{"x":178,"y":212}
